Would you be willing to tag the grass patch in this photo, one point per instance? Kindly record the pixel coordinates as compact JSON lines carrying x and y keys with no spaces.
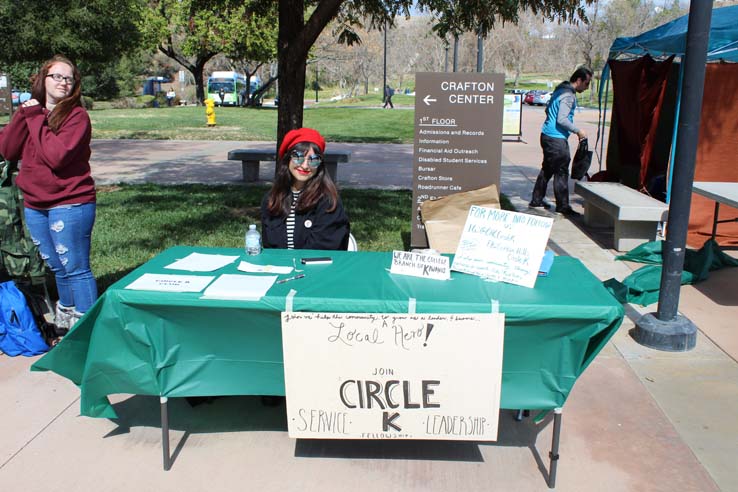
{"x":136,"y":222}
{"x":188,"y":123}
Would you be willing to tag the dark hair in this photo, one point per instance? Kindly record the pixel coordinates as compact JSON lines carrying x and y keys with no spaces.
{"x":66,"y":105}
{"x":320,"y":185}
{"x":582,"y":73}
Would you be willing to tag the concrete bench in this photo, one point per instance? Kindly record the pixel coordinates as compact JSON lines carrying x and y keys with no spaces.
{"x":250,"y":160}
{"x":636,"y":216}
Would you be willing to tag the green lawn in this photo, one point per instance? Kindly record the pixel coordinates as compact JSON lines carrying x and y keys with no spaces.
{"x":337,"y":124}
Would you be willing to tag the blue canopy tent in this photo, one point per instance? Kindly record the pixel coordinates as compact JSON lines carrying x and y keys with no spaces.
{"x":667,"y":43}
{"x":671,"y":38}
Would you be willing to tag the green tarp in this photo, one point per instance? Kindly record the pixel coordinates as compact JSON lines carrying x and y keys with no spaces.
{"x":176,"y":344}
{"x":642,"y":286}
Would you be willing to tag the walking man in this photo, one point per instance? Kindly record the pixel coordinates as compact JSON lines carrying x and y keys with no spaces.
{"x":555,"y":133}
{"x":388,"y":93}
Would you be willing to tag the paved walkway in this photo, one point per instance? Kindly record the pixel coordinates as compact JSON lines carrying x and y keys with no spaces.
{"x":637,"y":420}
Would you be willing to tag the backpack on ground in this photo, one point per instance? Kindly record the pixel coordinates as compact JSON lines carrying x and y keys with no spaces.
{"x":40,"y":305}
{"x":19,"y":334}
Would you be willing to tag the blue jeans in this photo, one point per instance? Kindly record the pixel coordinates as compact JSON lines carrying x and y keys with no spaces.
{"x":63,"y":236}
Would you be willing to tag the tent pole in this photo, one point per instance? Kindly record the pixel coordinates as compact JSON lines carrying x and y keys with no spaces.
{"x":665,"y":329}
{"x":604,"y":118}
{"x":675,"y":131}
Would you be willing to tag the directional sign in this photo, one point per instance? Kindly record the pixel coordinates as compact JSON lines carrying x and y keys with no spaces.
{"x":458,"y":137}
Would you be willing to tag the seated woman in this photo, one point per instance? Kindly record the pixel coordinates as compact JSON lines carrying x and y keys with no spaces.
{"x":303,"y":209}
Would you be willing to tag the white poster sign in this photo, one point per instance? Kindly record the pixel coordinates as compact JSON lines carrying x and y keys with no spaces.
{"x":393,"y":376}
{"x":502,"y":245}
{"x":420,"y":265}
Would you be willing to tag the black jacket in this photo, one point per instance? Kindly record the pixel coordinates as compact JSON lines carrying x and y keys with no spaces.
{"x":314,"y":229}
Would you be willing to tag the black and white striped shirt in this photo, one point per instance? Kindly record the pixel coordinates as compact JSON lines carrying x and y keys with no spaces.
{"x":291,"y":221}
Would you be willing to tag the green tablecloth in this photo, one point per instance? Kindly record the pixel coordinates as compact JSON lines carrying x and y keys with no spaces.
{"x":174,"y":345}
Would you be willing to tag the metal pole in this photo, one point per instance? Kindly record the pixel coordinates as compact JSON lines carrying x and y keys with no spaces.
{"x":456,"y":53}
{"x":316,"y":82}
{"x":666,"y":330}
{"x":480,"y":53}
{"x":384,"y":73}
{"x":445,"y":59}
{"x":165,"y":433}
{"x":554,"y":454}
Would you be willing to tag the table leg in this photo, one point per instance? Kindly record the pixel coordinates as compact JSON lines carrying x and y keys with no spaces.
{"x":554,"y":454}
{"x":715,"y":219}
{"x":165,"y":432}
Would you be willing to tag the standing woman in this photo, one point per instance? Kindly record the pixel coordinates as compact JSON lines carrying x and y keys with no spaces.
{"x":303,"y":209}
{"x":50,"y":133}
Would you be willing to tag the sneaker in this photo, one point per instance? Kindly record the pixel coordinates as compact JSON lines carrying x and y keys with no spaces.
{"x":568,"y":212}
{"x":541,"y":204}
{"x":63,"y":317}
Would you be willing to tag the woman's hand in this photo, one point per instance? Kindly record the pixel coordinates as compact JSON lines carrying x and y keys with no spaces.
{"x":29,"y":103}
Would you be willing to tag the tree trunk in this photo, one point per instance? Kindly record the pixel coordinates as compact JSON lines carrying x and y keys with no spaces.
{"x":197,"y":69}
{"x":291,"y":67}
{"x":293,"y":44}
{"x":198,"y":72}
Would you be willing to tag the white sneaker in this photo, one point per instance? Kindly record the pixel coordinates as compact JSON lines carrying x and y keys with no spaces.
{"x":63,"y":316}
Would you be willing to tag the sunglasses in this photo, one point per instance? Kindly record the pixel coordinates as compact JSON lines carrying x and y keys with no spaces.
{"x":59,"y":77}
{"x":313,"y":161}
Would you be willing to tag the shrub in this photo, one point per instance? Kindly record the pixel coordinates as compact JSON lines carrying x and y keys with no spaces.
{"x":87,"y":102}
{"x":146,"y":101}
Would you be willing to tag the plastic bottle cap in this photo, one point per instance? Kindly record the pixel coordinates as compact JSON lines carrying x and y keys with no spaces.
{"x":252,"y":227}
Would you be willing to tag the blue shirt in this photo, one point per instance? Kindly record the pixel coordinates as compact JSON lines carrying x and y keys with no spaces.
{"x":560,"y":112}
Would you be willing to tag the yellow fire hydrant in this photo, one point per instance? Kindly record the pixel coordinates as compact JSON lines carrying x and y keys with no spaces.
{"x":210,"y":111}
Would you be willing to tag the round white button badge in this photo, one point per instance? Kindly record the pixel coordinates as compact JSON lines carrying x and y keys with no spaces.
{"x":308,"y":224}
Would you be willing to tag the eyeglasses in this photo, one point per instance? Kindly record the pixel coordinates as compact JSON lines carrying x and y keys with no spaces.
{"x":59,"y":78}
{"x":313,"y":161}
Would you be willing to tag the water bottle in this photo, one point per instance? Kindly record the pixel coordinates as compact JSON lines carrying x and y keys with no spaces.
{"x":253,"y":241}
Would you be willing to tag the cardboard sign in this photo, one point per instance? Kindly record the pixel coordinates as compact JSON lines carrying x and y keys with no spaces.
{"x":420,"y":265}
{"x":393,"y":376}
{"x":503,"y":246}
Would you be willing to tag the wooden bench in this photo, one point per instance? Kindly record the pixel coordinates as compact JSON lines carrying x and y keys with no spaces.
{"x":250,"y":160}
{"x":636,"y":216}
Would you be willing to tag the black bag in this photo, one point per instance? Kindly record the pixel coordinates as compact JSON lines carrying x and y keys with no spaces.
{"x":40,"y":305}
{"x":582,"y":160}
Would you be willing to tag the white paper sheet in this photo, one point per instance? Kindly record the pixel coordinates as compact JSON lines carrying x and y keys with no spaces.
{"x":198,"y":262}
{"x":170,"y":283}
{"x":242,"y":287}
{"x":245,"y":266}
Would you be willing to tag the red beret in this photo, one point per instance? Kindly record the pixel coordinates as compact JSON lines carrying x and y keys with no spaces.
{"x":294,"y":137}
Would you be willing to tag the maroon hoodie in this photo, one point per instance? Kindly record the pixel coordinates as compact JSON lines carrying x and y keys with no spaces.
{"x":55,"y":167}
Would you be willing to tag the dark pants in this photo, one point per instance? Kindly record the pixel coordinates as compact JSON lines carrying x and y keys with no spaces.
{"x":556,"y":158}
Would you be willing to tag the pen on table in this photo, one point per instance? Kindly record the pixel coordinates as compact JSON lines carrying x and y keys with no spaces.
{"x":290,"y":278}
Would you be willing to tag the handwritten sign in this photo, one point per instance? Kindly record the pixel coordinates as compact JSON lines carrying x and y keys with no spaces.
{"x":420,"y":265}
{"x":503,"y":246}
{"x":393,"y":376}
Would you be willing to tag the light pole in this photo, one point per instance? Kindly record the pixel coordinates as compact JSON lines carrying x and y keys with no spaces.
{"x":480,"y":53}
{"x":666,"y":329}
{"x":456,"y":52}
{"x":384,"y":72}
